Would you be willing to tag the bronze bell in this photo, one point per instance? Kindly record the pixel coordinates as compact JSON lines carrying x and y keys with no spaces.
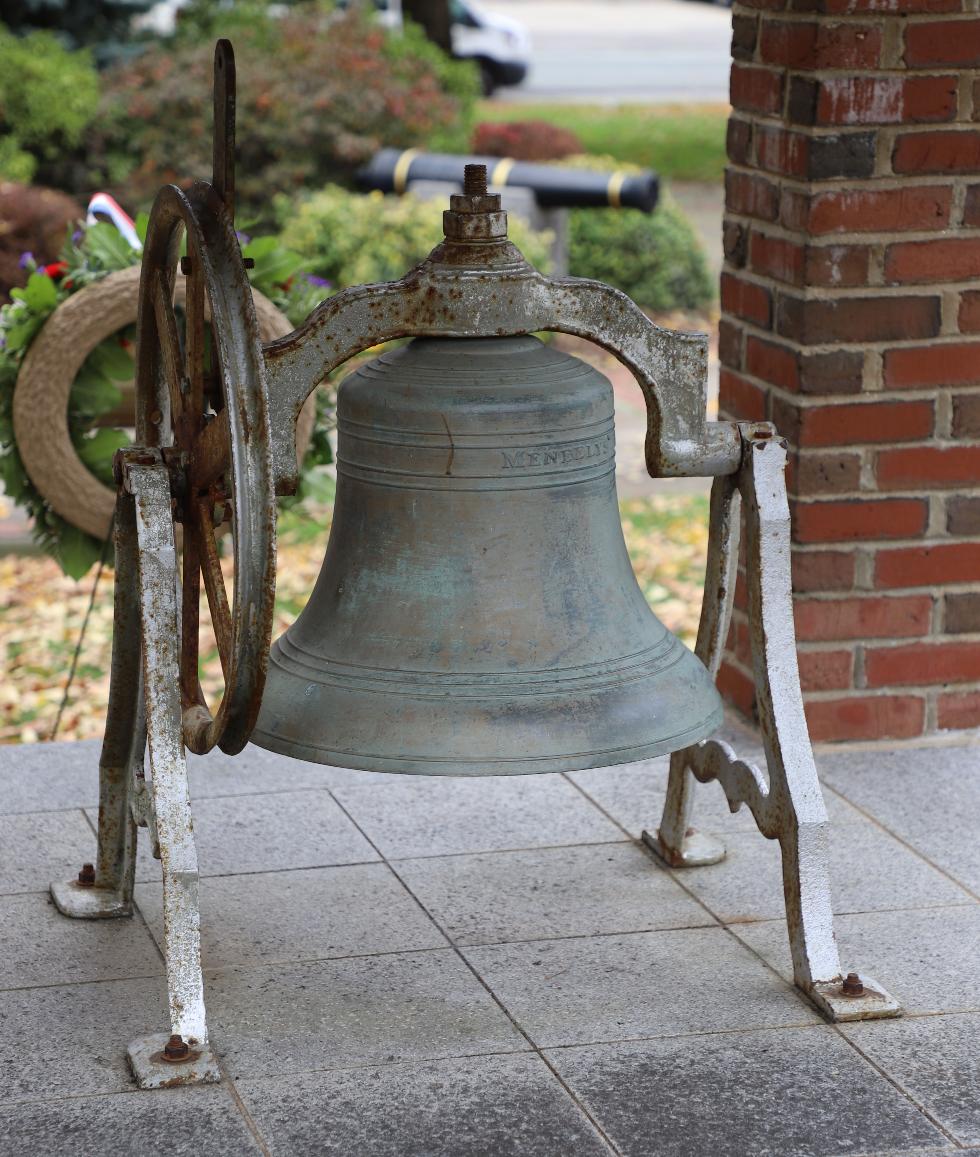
{"x":477,"y":612}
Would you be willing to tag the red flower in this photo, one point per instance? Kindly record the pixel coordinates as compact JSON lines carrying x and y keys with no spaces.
{"x":56,"y":269}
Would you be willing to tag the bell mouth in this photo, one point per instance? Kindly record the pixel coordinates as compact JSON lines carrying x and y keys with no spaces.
{"x":424,"y":724}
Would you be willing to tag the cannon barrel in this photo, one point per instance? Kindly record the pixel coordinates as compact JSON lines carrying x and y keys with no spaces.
{"x":554,"y":187}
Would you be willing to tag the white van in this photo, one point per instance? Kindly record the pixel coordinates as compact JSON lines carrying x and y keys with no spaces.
{"x":498,"y":45}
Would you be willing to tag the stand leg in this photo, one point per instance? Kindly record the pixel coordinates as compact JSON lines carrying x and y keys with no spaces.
{"x":110,"y":893}
{"x":789,"y":807}
{"x":161,"y":1060}
{"x":676,"y":842}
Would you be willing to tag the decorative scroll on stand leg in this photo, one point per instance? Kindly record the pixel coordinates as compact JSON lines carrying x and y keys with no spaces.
{"x":145,"y":705}
{"x":789,"y":807}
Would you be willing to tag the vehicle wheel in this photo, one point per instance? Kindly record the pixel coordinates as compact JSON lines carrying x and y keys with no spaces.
{"x":488,"y":82}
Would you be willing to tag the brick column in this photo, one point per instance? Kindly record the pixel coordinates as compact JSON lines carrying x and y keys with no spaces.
{"x":851,"y":318}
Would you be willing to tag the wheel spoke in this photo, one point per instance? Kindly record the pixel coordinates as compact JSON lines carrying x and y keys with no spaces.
{"x":211,"y":453}
{"x":214,"y":584}
{"x":169,"y":339}
{"x":190,"y":618}
{"x":194,"y":309}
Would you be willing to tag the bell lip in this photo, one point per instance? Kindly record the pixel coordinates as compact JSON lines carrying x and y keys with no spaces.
{"x":582,"y":761}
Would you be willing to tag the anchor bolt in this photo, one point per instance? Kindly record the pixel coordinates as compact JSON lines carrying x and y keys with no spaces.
{"x":86,"y":877}
{"x":852,"y":986}
{"x":176,"y":1049}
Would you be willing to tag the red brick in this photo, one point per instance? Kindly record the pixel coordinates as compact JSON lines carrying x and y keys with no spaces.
{"x":741,"y":646}
{"x":869,"y":617}
{"x":730,"y":344}
{"x":839,"y":372}
{"x":957,"y":712}
{"x":962,"y":613}
{"x":954,"y":363}
{"x":816,"y":475}
{"x":862,"y":422}
{"x":768,"y":5}
{"x":779,"y":151}
{"x":735,"y":241}
{"x":918,"y":664}
{"x":794,"y":206}
{"x":860,"y":519}
{"x":937,"y":152}
{"x":888,"y":7}
{"x":825,"y":670}
{"x":866,"y":717}
{"x":825,"y":570}
{"x":837,"y":266}
{"x":971,"y":207}
{"x":747,"y":300}
{"x":969,"y":315}
{"x":740,"y":398}
{"x":745,"y":33}
{"x":928,"y":566}
{"x":880,"y":211}
{"x":955,"y":259}
{"x":857,"y":319}
{"x":736,"y":687}
{"x":741,"y":600}
{"x":748,"y":195}
{"x":887,"y":100}
{"x":955,"y":42}
{"x":966,"y":415}
{"x":817,"y":46}
{"x":928,"y":468}
{"x":774,"y":363}
{"x":758,"y":90}
{"x":738,"y":141}
{"x":963,"y":515}
{"x":776,"y":257}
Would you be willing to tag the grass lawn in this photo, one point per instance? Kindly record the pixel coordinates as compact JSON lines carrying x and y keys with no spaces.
{"x":41,"y":611}
{"x":681,"y":142}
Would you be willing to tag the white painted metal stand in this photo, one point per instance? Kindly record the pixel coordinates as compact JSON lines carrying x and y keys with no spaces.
{"x":788,"y":806}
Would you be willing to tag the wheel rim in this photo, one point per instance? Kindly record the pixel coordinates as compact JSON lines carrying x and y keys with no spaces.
{"x":213,"y":425}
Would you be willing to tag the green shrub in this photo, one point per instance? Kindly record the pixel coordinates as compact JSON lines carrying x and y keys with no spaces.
{"x":352,"y":239}
{"x":656,"y":258}
{"x":317,"y":96}
{"x":48,"y":96}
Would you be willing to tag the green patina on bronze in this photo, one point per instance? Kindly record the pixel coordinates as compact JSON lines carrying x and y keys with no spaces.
{"x":477,"y":613}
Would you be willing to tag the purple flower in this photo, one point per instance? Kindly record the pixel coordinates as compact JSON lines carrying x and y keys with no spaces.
{"x":77,"y":237}
{"x":319,"y":282}
{"x":26,"y":259}
{"x":243,"y":238}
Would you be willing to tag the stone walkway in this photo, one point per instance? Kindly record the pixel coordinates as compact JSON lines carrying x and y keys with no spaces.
{"x":398,"y":967}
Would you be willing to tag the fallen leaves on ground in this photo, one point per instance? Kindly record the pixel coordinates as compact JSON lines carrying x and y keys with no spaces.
{"x":42,"y":611}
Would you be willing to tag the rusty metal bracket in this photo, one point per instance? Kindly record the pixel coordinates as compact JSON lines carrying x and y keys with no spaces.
{"x":787,"y":805}
{"x":478,"y":284}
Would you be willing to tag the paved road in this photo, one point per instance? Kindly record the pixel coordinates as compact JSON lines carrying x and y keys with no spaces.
{"x":623,"y":50}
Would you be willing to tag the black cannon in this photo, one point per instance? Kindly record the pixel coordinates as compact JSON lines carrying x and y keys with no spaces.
{"x":390,"y":171}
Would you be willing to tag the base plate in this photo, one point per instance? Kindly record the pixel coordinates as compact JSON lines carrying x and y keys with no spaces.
{"x":836,"y":1005}
{"x":87,"y":903}
{"x":699,"y":849}
{"x":152,"y":1071}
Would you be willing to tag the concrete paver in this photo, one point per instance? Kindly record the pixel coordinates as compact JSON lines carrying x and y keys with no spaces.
{"x":346,"y":1022}
{"x":508,"y":1106}
{"x":795,"y":1091}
